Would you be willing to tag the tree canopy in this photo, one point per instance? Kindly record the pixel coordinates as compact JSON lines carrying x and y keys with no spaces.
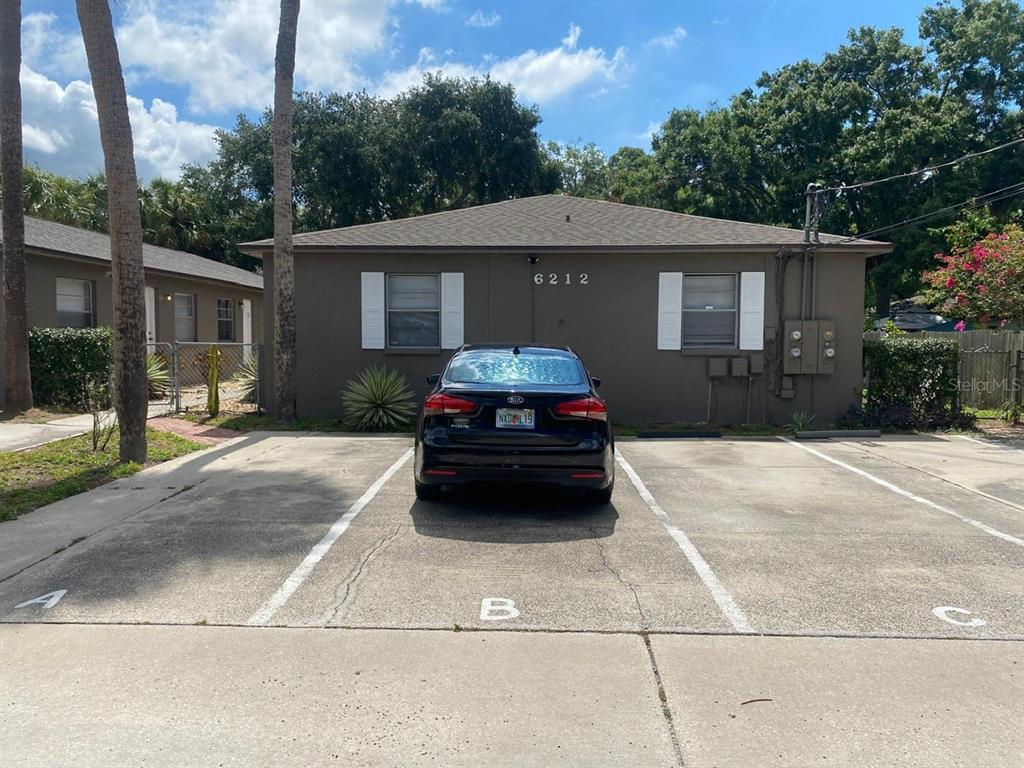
{"x":877,"y":106}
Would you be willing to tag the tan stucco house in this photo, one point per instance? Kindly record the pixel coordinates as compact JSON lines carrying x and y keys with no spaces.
{"x":684,"y":318}
{"x":188,"y":297}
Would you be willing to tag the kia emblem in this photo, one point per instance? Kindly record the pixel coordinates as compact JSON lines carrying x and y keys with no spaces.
{"x":516,"y":400}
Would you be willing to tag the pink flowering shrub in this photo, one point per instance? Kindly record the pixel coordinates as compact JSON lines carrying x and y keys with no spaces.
{"x":983,"y":283}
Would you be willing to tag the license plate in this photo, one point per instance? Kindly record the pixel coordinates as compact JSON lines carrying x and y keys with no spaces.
{"x":515,"y":418}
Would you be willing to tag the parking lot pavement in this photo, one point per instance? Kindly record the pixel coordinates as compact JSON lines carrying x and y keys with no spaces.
{"x":214,"y":549}
{"x":850,"y":544}
{"x":784,"y":702}
{"x":229,"y":696}
{"x":805,"y":546}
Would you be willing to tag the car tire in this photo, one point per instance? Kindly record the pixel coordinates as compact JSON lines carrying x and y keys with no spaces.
{"x":428,"y":492}
{"x":601,"y":496}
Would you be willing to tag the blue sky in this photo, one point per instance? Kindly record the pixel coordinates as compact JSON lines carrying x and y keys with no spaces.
{"x":608,"y":72}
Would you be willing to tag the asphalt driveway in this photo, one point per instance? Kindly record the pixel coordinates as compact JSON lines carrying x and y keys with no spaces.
{"x":284,"y":599}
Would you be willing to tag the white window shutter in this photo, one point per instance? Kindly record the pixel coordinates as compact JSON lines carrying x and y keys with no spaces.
{"x":373,"y":310}
{"x":670,"y":310}
{"x":752,"y":310}
{"x":452,"y":312}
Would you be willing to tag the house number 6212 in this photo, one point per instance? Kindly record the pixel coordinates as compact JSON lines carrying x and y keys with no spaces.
{"x":561,"y":278}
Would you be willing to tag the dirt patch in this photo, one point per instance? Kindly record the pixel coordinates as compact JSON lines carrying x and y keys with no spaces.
{"x":199,"y":433}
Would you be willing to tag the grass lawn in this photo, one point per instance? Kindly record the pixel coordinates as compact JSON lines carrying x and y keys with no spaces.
{"x":40,"y":476}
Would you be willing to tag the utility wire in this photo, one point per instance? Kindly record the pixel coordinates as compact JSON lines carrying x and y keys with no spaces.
{"x":970,"y":156}
{"x":989,"y":197}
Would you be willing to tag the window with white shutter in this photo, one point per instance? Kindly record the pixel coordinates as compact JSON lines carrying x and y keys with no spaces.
{"x":670,"y":305}
{"x":373,"y":310}
{"x":752,"y":310}
{"x":452,"y":311}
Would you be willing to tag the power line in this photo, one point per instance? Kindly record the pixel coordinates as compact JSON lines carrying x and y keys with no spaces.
{"x":931,"y":168}
{"x":989,"y":197}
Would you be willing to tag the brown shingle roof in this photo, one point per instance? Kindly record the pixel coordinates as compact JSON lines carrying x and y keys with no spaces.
{"x":61,"y":238}
{"x":553,"y":222}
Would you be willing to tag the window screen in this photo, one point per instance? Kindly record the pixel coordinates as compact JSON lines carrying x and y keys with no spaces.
{"x":414,"y":310}
{"x":74,"y":303}
{"x":709,"y":310}
{"x":184,"y":317}
{"x":225,"y":320}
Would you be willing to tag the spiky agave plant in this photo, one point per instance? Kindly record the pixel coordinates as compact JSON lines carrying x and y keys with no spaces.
{"x":247,"y":377}
{"x":157,"y":376}
{"x":377,"y":400}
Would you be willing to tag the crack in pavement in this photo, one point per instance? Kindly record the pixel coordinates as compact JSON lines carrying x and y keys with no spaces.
{"x":343,"y":594}
{"x":622,"y":580}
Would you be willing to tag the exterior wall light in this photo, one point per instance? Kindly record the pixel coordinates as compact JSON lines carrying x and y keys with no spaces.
{"x":794,"y":352}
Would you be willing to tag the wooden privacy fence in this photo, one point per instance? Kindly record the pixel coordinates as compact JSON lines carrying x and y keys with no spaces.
{"x":990,"y":365}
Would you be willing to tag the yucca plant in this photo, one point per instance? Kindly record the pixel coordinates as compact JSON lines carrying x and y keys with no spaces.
{"x":247,"y":376}
{"x":377,"y":400}
{"x":157,"y":376}
{"x":802,"y":421}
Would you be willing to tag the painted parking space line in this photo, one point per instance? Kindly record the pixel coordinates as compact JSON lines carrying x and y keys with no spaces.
{"x":721,"y":595}
{"x":990,"y":443}
{"x":316,"y":554}
{"x":907,"y":494}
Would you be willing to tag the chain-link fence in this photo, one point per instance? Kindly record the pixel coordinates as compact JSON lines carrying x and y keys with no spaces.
{"x":237,"y":375}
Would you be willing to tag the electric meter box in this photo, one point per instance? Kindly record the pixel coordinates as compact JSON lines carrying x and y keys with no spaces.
{"x":809,"y":347}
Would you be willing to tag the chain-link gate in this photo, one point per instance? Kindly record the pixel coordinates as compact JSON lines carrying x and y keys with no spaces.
{"x":238,"y":375}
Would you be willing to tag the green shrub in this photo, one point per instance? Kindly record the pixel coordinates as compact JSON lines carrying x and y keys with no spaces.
{"x":66,"y":361}
{"x":912,"y":384}
{"x":377,"y":400}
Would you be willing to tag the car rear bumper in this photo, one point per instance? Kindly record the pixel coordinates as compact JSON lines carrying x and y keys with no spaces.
{"x":584,"y":469}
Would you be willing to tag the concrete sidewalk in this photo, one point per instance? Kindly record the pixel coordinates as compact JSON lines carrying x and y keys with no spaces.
{"x":20,"y":436}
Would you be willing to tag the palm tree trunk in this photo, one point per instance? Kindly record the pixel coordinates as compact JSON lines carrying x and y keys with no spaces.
{"x":17,"y":379}
{"x":130,"y":389}
{"x":284,"y":265}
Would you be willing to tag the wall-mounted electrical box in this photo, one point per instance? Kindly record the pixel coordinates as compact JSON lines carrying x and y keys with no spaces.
{"x":718,"y":367}
{"x":826,"y":346}
{"x":738,"y":366}
{"x":809,"y":347}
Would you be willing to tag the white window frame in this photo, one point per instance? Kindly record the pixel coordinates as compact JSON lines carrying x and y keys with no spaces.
{"x":735,"y":312}
{"x":192,"y":317}
{"x":388,"y":309}
{"x":230,"y":319}
{"x":91,"y":301}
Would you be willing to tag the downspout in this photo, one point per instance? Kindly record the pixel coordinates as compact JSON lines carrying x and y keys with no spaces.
{"x":814,"y":286}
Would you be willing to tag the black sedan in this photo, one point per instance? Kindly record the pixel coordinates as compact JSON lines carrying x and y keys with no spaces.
{"x":507,"y":413}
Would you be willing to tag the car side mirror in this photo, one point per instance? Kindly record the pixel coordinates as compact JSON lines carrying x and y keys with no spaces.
{"x":597,"y":381}
{"x":433,"y":378}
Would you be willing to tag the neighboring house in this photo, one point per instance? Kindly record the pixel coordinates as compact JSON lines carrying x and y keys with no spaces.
{"x":188,"y":297}
{"x":684,"y":318}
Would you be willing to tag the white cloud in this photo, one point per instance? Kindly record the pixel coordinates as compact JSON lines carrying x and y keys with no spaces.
{"x":570,"y":40}
{"x":61,"y":130}
{"x":669,"y":41}
{"x":479,"y":20}
{"x":46,"y":47}
{"x":537,"y":76}
{"x":224,"y":53}
{"x":647,"y":135}
{"x":720,"y":22}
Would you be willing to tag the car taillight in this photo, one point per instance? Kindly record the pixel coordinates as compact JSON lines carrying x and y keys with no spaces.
{"x":584,"y":408}
{"x":447,"y":405}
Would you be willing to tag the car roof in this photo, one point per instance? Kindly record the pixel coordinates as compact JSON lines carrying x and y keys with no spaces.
{"x":540,"y":349}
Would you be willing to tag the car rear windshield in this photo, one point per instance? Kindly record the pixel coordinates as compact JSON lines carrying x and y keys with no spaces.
{"x":506,"y":368}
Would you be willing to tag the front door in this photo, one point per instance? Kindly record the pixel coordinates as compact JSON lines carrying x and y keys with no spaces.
{"x":150,"y":315}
